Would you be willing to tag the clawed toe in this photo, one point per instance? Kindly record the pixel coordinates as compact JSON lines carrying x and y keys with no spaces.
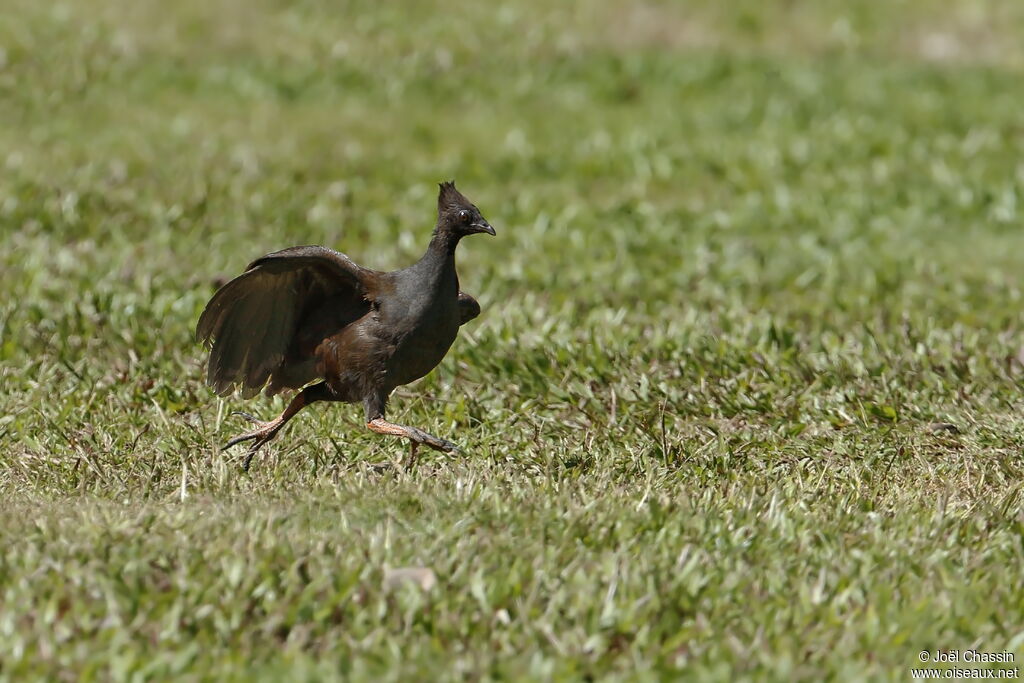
{"x":237,"y":440}
{"x":447,"y":446}
{"x":258,"y":435}
{"x":264,"y":432}
{"x":251,"y":453}
{"x":417,"y":437}
{"x":436,"y":443}
{"x":259,"y":438}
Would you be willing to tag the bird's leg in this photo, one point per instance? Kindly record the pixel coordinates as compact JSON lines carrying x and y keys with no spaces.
{"x":375,"y":404}
{"x":417,"y":436}
{"x":266,"y":431}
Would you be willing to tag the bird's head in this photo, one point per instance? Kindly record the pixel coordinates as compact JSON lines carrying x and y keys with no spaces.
{"x":456,"y":215}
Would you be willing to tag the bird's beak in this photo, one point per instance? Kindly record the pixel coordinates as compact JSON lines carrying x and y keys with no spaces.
{"x":483,"y":226}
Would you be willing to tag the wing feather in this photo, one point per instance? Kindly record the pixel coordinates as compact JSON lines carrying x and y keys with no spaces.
{"x":251,"y":321}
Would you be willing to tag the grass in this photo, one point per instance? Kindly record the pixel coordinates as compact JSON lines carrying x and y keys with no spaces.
{"x":744,"y":402}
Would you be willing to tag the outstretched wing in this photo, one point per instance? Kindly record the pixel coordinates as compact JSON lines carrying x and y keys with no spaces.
{"x":252,"y":321}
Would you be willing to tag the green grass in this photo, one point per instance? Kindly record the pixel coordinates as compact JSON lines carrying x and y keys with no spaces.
{"x":748,"y":256}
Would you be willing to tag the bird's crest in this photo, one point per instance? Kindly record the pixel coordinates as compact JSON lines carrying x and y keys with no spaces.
{"x":449,"y":199}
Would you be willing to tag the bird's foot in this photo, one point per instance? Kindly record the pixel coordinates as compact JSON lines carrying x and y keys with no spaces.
{"x":418,"y":436}
{"x":264,"y":432}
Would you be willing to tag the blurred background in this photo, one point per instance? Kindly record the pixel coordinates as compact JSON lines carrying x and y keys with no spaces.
{"x":623,"y":146}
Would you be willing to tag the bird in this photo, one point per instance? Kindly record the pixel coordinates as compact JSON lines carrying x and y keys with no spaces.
{"x":309,"y":318}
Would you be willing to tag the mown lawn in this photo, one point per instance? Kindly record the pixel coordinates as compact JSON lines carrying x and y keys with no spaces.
{"x":744,"y":402}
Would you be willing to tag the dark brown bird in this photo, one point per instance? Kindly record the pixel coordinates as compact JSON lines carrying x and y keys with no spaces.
{"x":308,"y":313}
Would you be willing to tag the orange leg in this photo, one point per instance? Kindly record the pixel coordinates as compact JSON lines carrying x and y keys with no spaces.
{"x":266,"y":431}
{"x":415,"y":436}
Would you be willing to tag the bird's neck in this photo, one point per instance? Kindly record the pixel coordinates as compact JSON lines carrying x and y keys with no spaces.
{"x":442,"y":243}
{"x":438,"y":263}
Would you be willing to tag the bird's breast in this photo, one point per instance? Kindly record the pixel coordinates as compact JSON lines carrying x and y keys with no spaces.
{"x":422,"y":340}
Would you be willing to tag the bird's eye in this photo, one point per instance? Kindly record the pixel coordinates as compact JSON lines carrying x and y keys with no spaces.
{"x":464,"y":216}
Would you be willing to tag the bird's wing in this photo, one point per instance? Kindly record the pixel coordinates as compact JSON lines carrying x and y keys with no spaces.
{"x":468,"y":308}
{"x":251,"y":321}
